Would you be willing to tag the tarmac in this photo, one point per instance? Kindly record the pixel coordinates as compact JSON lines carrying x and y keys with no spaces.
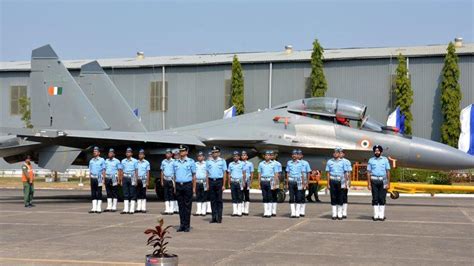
{"x":59,"y":231}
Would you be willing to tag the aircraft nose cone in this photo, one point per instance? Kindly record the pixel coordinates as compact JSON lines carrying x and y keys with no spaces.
{"x":434,"y":155}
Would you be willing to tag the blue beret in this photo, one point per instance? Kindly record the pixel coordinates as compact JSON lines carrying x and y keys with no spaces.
{"x":295,"y":151}
{"x":111,"y":150}
{"x":169,"y":150}
{"x":200,"y":153}
{"x":129,"y":149}
{"x":96,"y":148}
{"x":244,"y":152}
{"x":236,"y":153}
{"x":269,"y":152}
{"x":141,"y":151}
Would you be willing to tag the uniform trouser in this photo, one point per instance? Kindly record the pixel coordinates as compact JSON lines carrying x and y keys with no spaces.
{"x":129,"y":191}
{"x":336,"y":192}
{"x":237,"y":193}
{"x":275,"y":195}
{"x":96,"y":190}
{"x":141,"y":191}
{"x":168,"y":190}
{"x":246,"y":193}
{"x":28,"y":191}
{"x":112,"y":191}
{"x":215,"y":195}
{"x":200,"y":192}
{"x":184,"y":196}
{"x":313,"y":190}
{"x":266,"y":191}
{"x":345,"y":191}
{"x":296,"y":195}
{"x":379,"y":193}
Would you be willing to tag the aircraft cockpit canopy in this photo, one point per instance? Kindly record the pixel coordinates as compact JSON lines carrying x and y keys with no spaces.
{"x":340,"y":111}
{"x":330,"y":107}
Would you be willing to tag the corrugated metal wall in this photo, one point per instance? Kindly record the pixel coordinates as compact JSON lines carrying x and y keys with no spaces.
{"x":196,"y":93}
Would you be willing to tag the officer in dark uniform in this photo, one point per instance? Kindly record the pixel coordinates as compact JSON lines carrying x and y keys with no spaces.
{"x":216,"y":177}
{"x":185,"y":173}
{"x":378,"y":171}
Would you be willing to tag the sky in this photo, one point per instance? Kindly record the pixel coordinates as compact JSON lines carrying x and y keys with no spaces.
{"x":116,"y":29}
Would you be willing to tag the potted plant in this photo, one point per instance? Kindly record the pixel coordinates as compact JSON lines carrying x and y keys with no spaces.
{"x":158,"y":240}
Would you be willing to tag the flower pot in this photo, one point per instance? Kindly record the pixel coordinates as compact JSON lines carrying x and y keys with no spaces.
{"x":170,"y":260}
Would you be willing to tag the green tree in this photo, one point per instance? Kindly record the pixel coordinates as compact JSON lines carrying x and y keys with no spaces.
{"x":319,"y":84}
{"x":450,"y":98}
{"x":404,"y":93}
{"x":237,"y":92}
{"x":25,"y":111}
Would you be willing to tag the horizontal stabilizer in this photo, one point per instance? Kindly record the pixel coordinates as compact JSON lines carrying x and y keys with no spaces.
{"x":57,"y":158}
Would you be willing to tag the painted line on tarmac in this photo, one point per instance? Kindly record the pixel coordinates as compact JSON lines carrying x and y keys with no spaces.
{"x":70,"y":261}
{"x":392,"y":259}
{"x":466,"y":214}
{"x":229,"y":259}
{"x":383,"y":235}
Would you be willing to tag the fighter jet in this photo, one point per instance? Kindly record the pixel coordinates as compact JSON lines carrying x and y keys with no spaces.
{"x":314,"y":125}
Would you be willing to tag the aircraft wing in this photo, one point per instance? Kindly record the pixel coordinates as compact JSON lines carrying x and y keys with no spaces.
{"x":86,"y":138}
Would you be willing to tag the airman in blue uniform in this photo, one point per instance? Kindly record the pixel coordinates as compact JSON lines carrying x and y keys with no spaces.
{"x":347,"y":182}
{"x":335,"y":177}
{"x":216,"y":175}
{"x":143,"y":180}
{"x":295,"y":183}
{"x":267,"y":170}
{"x":306,"y":173}
{"x":275,"y":184}
{"x":129,"y":182}
{"x":112,"y":166}
{"x":96,"y":174}
{"x":167,"y":181}
{"x":236,"y":183}
{"x":201,"y":185}
{"x":185,"y":177}
{"x":378,"y":169}
{"x":248,"y":178}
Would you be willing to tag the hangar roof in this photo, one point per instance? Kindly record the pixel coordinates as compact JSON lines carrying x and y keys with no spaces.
{"x":254,"y":57}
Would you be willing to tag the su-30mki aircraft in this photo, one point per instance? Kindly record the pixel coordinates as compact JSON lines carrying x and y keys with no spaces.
{"x":68,"y":121}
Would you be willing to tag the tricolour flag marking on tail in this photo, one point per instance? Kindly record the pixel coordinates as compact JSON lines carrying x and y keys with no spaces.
{"x":397,"y":119}
{"x":55,"y":90}
{"x":231,"y":112}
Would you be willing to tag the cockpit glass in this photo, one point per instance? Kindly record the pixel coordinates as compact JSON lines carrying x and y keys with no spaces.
{"x":332,"y":107}
{"x":372,"y":125}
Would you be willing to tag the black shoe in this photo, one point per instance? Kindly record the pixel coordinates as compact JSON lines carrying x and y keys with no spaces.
{"x":202,"y":215}
{"x":196,"y":214}
{"x":339,"y":218}
{"x":233,"y":215}
{"x":144,"y":211}
{"x":293,"y":216}
{"x":245,"y":214}
{"x":309,"y":199}
{"x":106,"y":210}
{"x":375,"y":219}
{"x":175,"y":212}
{"x":27,"y":206}
{"x":318,"y":201}
{"x":91,"y":211}
{"x":301,"y":215}
{"x":344,"y":217}
{"x":186,"y":230}
{"x":113,"y":210}
{"x":334,"y":218}
{"x":382,"y":219}
{"x":180,"y":229}
{"x":32,"y":205}
{"x":131,"y":212}
{"x":98,"y":212}
{"x":213,"y":221}
{"x":122,"y":212}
